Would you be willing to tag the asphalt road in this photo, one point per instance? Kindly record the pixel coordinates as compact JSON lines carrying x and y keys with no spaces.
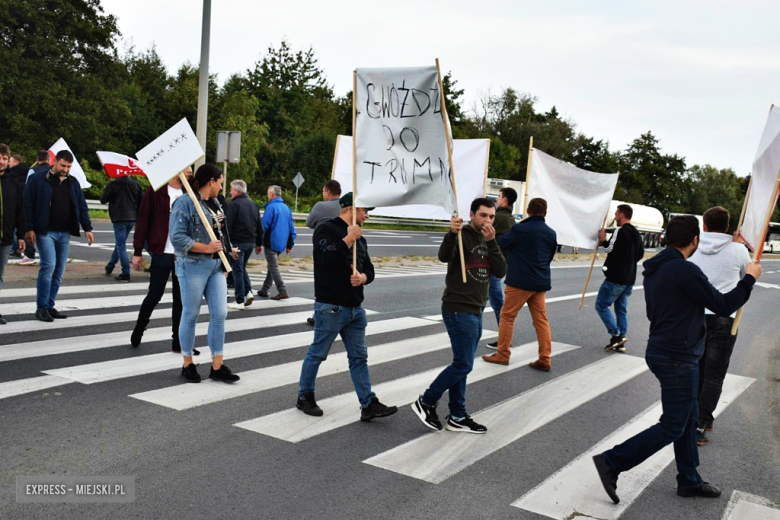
{"x":193,"y":462}
{"x":381,"y":243}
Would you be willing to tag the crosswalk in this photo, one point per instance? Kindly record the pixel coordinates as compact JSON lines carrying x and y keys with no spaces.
{"x":103,"y":319}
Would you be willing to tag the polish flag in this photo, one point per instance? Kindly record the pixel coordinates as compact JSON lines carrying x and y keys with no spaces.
{"x":75,"y":170}
{"x":118,"y":165}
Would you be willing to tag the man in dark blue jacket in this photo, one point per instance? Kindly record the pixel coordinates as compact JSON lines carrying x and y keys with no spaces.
{"x":531,"y":245}
{"x":676,"y":292}
{"x":55,"y":206}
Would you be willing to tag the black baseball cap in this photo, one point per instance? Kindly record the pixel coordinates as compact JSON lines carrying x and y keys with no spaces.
{"x":346,"y":201}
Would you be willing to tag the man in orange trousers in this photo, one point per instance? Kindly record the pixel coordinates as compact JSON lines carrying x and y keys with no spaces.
{"x":531,"y":245}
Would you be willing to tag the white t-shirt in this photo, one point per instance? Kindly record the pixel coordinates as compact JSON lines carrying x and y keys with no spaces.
{"x":174,"y":194}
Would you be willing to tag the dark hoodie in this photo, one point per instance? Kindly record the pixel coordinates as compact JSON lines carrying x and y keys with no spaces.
{"x":676,"y":293}
{"x":624,"y":250}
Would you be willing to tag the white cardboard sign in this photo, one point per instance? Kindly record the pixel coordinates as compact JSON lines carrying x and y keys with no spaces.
{"x":169,"y":154}
{"x":401,"y":142}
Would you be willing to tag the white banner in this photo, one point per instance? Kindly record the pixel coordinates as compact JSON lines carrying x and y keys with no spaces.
{"x":471,"y":161}
{"x":75,"y":169}
{"x":766,"y":168}
{"x":169,"y":154}
{"x":577,"y":200}
{"x":401,"y":145}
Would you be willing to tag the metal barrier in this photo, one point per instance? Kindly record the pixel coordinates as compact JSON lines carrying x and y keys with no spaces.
{"x":95,"y":204}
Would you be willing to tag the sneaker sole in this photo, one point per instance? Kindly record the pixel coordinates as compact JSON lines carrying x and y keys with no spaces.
{"x":223,"y":380}
{"x":463,"y":430}
{"x":491,"y":347}
{"x":190,"y":380}
{"x":421,"y":415}
{"x":247,"y":303}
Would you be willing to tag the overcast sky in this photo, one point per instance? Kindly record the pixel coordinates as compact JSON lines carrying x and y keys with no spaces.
{"x":700,"y":75}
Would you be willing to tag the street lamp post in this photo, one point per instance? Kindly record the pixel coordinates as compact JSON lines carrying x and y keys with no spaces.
{"x":203,"y":80}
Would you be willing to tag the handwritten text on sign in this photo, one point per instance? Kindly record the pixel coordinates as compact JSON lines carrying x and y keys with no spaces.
{"x":170,"y":153}
{"x":401,"y":151}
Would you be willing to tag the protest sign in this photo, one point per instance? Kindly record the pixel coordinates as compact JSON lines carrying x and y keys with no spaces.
{"x":169,"y":154}
{"x":401,"y":151}
{"x":75,"y":170}
{"x":470,"y":157}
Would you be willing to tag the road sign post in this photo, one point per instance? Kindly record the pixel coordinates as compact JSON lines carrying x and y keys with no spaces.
{"x":298,"y":180}
{"x":228,"y":151}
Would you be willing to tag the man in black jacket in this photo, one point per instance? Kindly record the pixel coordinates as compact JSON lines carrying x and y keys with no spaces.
{"x":246,"y":233}
{"x":338,"y":289}
{"x":676,"y":293}
{"x":123,"y":196}
{"x":12,"y":213}
{"x":624,"y":250}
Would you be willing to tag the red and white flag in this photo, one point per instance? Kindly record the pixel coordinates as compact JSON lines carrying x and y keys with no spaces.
{"x":75,"y":170}
{"x":118,"y":165}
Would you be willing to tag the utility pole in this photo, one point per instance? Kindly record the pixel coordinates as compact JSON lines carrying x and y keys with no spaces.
{"x":203,"y":80}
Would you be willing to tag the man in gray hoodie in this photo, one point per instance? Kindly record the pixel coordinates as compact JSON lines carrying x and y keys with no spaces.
{"x":723,"y":261}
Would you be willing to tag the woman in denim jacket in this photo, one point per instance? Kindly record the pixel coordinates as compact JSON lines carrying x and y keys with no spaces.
{"x":200,"y":272}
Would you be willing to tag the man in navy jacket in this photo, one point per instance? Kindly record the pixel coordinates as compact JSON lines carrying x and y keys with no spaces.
{"x":55,"y":207}
{"x":676,"y":292}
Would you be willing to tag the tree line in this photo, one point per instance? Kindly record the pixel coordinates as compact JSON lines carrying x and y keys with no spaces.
{"x":65,"y":77}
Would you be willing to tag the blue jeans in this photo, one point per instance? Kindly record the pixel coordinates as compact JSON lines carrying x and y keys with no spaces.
{"x":240,"y":276}
{"x":199,"y":278}
{"x":679,"y":388}
{"x":53,"y":248}
{"x":496,"y":296}
{"x":465,"y":331}
{"x":350,"y":323}
{"x":121,"y":231}
{"x":610,"y":293}
{"x":5,"y":252}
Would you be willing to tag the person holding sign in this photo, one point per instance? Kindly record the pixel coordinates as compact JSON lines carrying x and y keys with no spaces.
{"x":200,"y":271}
{"x":676,"y":292}
{"x":462,"y":306}
{"x":338,"y":289}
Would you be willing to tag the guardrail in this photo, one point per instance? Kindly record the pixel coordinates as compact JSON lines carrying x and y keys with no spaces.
{"x":95,"y":204}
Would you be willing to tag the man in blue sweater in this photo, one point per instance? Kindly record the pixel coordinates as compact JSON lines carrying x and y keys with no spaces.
{"x":676,"y":292}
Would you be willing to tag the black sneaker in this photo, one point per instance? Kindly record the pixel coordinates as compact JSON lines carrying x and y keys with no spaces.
{"x":465,"y":425}
{"x":176,"y":349}
{"x":135,"y":337}
{"x":492,"y":346}
{"x":617,"y":343}
{"x":43,"y":315}
{"x":706,"y":490}
{"x":375,"y":410}
{"x":223,"y":374}
{"x":310,"y":321}
{"x":2,"y":321}
{"x":57,"y":315}
{"x":109,"y":270}
{"x":701,"y":437}
{"x":308,"y":405}
{"x":16,"y":254}
{"x":706,"y":425}
{"x":122,"y":278}
{"x":427,"y":414}
{"x":608,"y":476}
{"x":190,"y":373}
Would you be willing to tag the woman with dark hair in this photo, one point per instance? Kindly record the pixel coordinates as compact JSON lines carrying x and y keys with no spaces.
{"x":200,"y":271}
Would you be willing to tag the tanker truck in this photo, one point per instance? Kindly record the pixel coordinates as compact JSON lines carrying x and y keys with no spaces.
{"x":647,"y":220}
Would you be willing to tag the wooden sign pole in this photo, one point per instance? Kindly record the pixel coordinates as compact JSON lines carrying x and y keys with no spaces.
{"x":204,"y":220}
{"x":595,"y":253}
{"x":335,"y":156}
{"x":354,"y":166}
{"x":759,"y":248}
{"x":448,"y":137}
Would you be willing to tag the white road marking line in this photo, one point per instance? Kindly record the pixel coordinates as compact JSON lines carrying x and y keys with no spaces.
{"x":184,"y":396}
{"x":50,"y":347}
{"x":83,"y":289}
{"x":744,"y":506}
{"x":577,"y":488}
{"x":294,"y":426}
{"x":30,"y":384}
{"x":437,"y":456}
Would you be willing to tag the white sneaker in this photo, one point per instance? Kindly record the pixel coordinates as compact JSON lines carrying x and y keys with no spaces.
{"x":249,"y":299}
{"x":236,"y":306}
{"x":28,"y":261}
